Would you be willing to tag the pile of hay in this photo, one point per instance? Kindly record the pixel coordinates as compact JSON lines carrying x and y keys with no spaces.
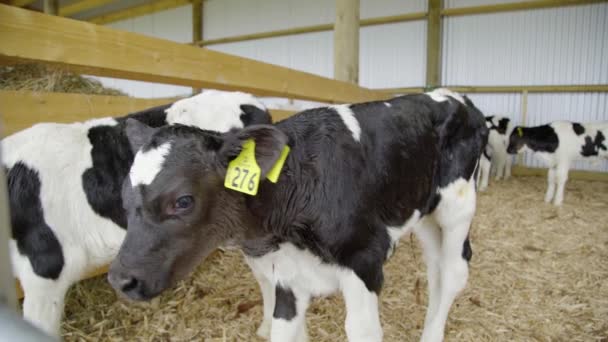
{"x":40,"y":77}
{"x":537,"y":273}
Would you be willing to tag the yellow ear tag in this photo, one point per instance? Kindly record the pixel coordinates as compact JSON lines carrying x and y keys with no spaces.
{"x":273,"y":174}
{"x":520,"y":131}
{"x":243,"y":174}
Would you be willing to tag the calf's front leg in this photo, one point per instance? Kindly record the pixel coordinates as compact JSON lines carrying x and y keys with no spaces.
{"x":362,"y":317}
{"x":289,"y":317}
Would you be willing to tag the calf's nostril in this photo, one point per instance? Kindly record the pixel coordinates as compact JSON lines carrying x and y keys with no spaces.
{"x":128,"y":284}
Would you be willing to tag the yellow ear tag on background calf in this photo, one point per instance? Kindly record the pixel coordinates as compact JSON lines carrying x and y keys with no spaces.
{"x":520,"y":131}
{"x":243,"y":174}
{"x":274,"y":173}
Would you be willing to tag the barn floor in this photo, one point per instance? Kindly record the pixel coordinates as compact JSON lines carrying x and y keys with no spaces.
{"x":538,"y":273}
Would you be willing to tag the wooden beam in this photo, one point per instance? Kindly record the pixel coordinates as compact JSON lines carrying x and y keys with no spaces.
{"x":98,"y":50}
{"x":573,"y":174}
{"x":138,"y":11}
{"x":51,"y":7}
{"x":433,"y":44}
{"x":19,"y":3}
{"x":81,"y":6}
{"x":197,"y":27}
{"x":346,"y":41}
{"x":514,"y":6}
{"x":22,"y":109}
{"x":314,"y":28}
{"x":8,"y":296}
{"x":508,"y":89}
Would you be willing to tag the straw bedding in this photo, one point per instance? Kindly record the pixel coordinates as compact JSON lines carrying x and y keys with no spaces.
{"x":538,"y":273}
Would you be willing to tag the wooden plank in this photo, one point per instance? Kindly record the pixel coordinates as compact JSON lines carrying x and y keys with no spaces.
{"x":346,"y":41}
{"x":22,"y":109}
{"x":97,"y":50}
{"x":19,"y":3}
{"x":514,"y":6}
{"x":81,"y":6}
{"x":573,"y":174}
{"x":433,"y":44}
{"x":138,"y":11}
{"x":313,"y":28}
{"x":51,"y":7}
{"x":8,"y":296}
{"x":197,"y":27}
{"x":508,"y":89}
{"x":524,"y":118}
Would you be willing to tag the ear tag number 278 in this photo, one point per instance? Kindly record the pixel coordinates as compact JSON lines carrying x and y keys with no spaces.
{"x":243,"y":174}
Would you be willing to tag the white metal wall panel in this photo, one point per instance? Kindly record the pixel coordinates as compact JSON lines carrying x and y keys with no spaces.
{"x":174,"y":24}
{"x":508,"y":105}
{"x":585,"y":107}
{"x":226,"y":18}
{"x":310,"y":52}
{"x":468,"y":3}
{"x":382,"y":8}
{"x":566,"y":45}
{"x":393,"y":55}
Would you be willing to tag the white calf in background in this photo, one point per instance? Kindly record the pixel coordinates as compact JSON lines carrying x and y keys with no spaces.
{"x":558,"y":144}
{"x":495,"y":156}
{"x":64,"y":183}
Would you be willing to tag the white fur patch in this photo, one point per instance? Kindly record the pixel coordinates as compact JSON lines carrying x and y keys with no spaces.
{"x":213,"y":110}
{"x":148,"y":164}
{"x":441,"y":94}
{"x":397,"y":232}
{"x":349,"y":119}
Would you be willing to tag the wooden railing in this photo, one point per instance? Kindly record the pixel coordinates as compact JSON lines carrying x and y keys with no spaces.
{"x":86,"y":48}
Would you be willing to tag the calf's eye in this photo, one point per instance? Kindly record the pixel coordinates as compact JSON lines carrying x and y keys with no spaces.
{"x":184,"y":202}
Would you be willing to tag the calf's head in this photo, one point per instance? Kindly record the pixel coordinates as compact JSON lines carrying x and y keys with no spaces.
{"x":178,"y":210}
{"x":516,"y":140}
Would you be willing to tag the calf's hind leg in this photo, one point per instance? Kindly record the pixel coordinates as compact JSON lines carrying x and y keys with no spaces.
{"x":561,"y":176}
{"x":551,"y":178}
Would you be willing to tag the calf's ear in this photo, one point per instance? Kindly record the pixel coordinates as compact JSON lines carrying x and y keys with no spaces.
{"x":138,"y":133}
{"x":269,"y":143}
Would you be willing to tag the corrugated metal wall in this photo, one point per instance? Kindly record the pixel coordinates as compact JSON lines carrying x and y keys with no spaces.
{"x":174,"y":24}
{"x":567,"y":45}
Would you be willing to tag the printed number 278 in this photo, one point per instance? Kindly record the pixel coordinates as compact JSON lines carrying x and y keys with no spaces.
{"x":241,"y":175}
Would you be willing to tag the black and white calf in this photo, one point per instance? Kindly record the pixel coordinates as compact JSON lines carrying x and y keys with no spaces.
{"x":358,"y":177}
{"x":495,"y":154}
{"x":558,"y":144}
{"x":64,"y":183}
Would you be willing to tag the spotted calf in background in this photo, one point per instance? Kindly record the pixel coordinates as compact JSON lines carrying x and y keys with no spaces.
{"x":495,"y":157}
{"x":558,"y":144}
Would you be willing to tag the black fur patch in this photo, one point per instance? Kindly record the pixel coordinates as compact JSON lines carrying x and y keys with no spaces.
{"x":285,"y":304}
{"x":578,"y":128}
{"x":540,"y":138}
{"x":592,"y":147}
{"x":467,"y":252}
{"x":253,"y":115}
{"x":502,"y":124}
{"x":102,"y":183}
{"x":112,"y":157}
{"x":34,"y":237}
